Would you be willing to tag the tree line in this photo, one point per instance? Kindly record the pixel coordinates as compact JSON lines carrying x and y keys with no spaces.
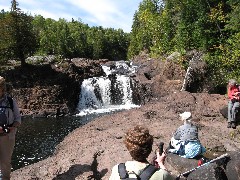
{"x":160,"y":27}
{"x":22,"y":35}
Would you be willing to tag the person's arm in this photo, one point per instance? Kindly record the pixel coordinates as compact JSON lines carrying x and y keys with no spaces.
{"x":229,"y":93}
{"x":161,"y":159}
{"x":177,"y":133}
{"x":114,"y":175}
{"x":16,"y":115}
{"x":16,"y":124}
{"x":16,"y":112}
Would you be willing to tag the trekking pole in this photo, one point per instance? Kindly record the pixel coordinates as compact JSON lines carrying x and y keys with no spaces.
{"x":185,"y":174}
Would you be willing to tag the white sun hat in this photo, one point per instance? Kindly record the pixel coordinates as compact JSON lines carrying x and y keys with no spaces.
{"x":185,"y":116}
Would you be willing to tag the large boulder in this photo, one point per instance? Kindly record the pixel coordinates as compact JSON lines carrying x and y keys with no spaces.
{"x":233,"y":166}
{"x":215,"y":168}
{"x":210,"y":171}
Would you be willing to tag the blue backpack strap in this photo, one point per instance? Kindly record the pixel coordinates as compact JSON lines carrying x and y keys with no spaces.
{"x":122,"y":171}
{"x":148,"y":171}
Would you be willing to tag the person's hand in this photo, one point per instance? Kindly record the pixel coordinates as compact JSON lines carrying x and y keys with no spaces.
{"x":1,"y":130}
{"x":161,"y":159}
{"x":12,"y":128}
{"x":237,"y":94}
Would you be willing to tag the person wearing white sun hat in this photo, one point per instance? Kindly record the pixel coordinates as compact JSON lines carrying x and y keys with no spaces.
{"x":185,"y":141}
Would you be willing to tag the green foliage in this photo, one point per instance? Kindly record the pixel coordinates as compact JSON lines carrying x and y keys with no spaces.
{"x":22,"y":36}
{"x":17,"y":38}
{"x":75,"y":39}
{"x":144,"y":26}
{"x":6,"y":39}
{"x":211,"y":26}
{"x":159,"y":28}
{"x":227,"y":64}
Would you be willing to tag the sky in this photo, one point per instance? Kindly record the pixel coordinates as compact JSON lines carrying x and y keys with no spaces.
{"x":106,"y":13}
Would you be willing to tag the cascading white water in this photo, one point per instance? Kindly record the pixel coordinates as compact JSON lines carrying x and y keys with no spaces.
{"x":88,"y":98}
{"x":125,"y":87}
{"x":103,"y":94}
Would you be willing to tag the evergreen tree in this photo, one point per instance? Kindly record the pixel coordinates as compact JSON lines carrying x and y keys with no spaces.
{"x":19,"y":41}
{"x":144,"y":22}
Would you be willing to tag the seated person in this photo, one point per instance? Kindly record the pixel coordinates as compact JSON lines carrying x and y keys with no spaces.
{"x":233,"y":103}
{"x":139,"y":144}
{"x":185,"y":140}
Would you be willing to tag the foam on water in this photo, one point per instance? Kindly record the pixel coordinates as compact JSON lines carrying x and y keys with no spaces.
{"x":106,"y":110}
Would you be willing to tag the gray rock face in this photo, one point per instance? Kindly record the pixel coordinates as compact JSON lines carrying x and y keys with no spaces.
{"x":50,"y":89}
{"x":233,"y":166}
{"x":211,"y":171}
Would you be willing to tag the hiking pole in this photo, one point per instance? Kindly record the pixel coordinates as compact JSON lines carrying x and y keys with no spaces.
{"x":185,"y":174}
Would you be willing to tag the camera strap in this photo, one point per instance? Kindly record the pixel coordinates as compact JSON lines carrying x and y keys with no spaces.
{"x":3,"y":116}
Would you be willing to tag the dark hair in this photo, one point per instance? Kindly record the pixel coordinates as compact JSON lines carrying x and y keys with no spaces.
{"x":139,"y":143}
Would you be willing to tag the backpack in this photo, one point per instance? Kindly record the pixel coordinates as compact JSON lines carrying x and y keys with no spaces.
{"x":146,"y":173}
{"x":3,"y":116}
{"x":10,"y":101}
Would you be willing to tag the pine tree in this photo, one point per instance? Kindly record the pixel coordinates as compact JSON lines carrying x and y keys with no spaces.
{"x":19,"y":41}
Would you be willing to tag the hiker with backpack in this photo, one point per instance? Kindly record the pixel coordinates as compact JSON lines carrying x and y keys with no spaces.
{"x":185,"y":141}
{"x":10,"y":119}
{"x":233,"y":103}
{"x":139,"y":143}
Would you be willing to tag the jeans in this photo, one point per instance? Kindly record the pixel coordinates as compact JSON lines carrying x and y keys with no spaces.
{"x":232,"y":110}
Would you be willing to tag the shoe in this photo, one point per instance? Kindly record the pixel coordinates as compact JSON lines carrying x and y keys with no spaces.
{"x":229,"y":125}
{"x":233,"y":125}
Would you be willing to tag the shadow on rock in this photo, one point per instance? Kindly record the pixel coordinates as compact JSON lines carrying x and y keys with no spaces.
{"x":73,"y":172}
{"x":78,"y":169}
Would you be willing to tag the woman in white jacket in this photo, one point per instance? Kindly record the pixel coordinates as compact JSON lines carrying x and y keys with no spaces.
{"x":185,"y":140}
{"x":10,"y":119}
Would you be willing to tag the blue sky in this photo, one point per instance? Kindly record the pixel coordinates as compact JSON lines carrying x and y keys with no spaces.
{"x":106,"y":13}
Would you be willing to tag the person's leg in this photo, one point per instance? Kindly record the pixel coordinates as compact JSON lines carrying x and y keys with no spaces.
{"x":235,"y":110}
{"x":230,"y":106}
{"x":6,"y":150}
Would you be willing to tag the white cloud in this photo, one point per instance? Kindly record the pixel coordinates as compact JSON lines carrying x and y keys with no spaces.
{"x":105,"y":13}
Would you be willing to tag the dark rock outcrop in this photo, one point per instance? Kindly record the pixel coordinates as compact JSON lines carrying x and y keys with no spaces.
{"x":50,"y":89}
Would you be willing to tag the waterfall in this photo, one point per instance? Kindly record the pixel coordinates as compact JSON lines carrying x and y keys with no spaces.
{"x":186,"y":79}
{"x":107,"y":93}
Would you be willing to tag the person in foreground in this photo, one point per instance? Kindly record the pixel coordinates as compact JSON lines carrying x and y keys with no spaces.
{"x":185,"y":141}
{"x":10,"y":119}
{"x":139,"y":143}
{"x":233,"y":103}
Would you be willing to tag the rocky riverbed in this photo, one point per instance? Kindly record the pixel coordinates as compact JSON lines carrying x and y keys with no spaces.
{"x":91,"y":151}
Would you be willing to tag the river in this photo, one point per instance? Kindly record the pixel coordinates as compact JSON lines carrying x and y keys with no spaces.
{"x":37,"y":138}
